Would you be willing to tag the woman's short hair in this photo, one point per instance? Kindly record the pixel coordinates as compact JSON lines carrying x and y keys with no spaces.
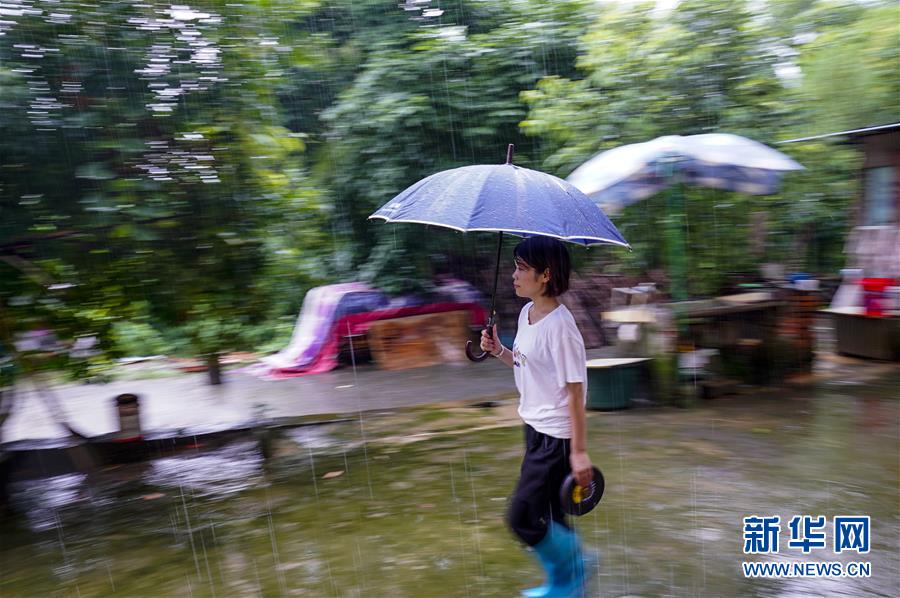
{"x":541,"y":253}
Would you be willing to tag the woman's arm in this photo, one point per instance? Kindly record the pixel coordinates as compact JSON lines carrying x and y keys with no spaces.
{"x":505,"y":356}
{"x":579,"y":460}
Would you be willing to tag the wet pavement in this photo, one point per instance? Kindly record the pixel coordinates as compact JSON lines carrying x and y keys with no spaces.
{"x":410,"y":502}
{"x":186,"y":404}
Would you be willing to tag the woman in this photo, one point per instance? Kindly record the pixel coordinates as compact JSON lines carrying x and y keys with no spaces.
{"x":550,"y":366}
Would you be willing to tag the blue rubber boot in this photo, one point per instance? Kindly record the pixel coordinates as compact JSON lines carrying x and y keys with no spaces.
{"x":568,"y":568}
{"x":549,"y":567}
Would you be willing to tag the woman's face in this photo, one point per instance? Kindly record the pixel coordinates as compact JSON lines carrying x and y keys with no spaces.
{"x":527,"y":282}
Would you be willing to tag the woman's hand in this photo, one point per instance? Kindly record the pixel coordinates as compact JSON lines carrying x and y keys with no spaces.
{"x":582,"y":468}
{"x":490,"y":343}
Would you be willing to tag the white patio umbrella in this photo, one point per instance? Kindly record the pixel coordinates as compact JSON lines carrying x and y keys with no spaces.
{"x":630,"y":173}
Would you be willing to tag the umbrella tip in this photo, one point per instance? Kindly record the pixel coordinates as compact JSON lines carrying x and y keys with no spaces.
{"x":509,"y":153}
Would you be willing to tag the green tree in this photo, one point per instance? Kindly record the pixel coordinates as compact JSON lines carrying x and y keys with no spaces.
{"x":148,"y":162}
{"x":851,"y":71}
{"x":703,"y":67}
{"x":437,"y":97}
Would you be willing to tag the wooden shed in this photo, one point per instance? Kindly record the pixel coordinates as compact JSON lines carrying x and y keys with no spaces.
{"x":873,"y":244}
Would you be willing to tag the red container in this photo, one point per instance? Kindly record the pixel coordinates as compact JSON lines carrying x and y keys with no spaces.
{"x":875,"y":298}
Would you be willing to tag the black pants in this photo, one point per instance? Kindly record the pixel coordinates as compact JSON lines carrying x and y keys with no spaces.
{"x":535,"y":501}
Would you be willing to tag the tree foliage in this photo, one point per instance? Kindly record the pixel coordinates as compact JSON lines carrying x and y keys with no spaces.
{"x":149,"y":165}
{"x":437,"y":97}
{"x":183,"y":174}
{"x":711,"y":67}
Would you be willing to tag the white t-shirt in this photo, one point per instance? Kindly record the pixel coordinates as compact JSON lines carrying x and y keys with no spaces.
{"x":547,"y":355}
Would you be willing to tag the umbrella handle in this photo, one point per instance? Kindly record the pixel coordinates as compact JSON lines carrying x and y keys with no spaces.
{"x":471,"y":354}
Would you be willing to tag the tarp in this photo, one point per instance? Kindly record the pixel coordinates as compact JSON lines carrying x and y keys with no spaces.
{"x":359,"y":323}
{"x":322,"y":306}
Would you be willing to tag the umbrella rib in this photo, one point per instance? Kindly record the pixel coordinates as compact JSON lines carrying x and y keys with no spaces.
{"x":560,"y":216}
{"x":476,"y":207}
{"x":512,"y":231}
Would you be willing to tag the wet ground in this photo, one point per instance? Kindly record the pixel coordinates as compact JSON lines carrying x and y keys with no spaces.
{"x":186,"y":404}
{"x":410,"y":502}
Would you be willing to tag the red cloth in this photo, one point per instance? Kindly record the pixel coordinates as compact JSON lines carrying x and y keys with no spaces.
{"x":327,"y":358}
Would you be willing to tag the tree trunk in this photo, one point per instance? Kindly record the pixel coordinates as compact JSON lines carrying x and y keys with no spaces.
{"x":214,"y":368}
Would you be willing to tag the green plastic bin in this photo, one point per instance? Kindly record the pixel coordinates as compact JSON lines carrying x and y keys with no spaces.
{"x":611,"y":382}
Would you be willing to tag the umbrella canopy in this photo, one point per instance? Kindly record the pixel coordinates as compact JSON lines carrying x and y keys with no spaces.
{"x":630,"y":173}
{"x":503,"y":198}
